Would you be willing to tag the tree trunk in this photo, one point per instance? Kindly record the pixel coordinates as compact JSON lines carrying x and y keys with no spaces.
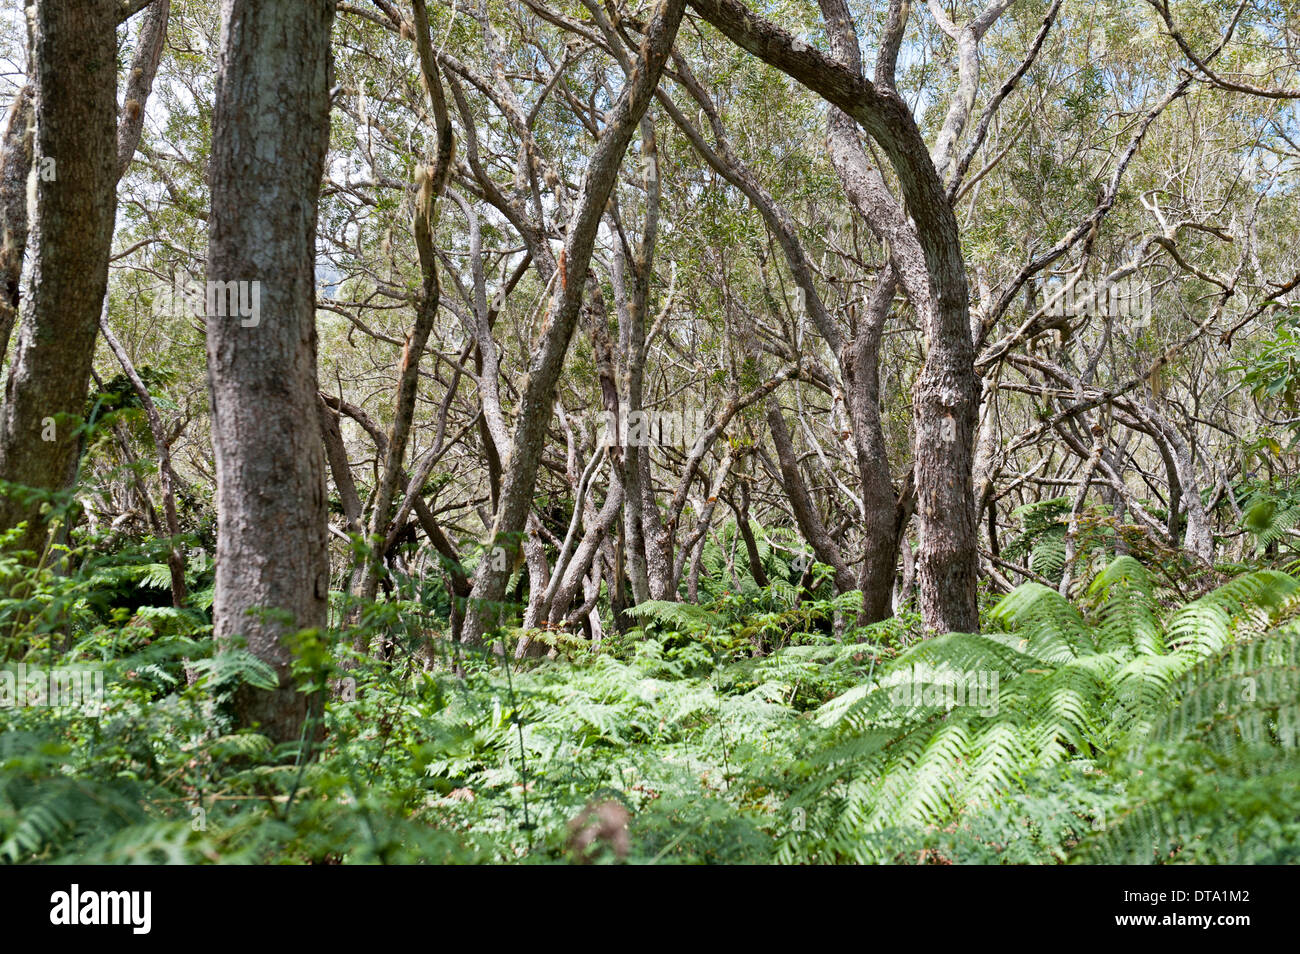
{"x":75,"y":167}
{"x":139,"y":84}
{"x":432,"y":180}
{"x":15,"y":164}
{"x":270,"y":134}
{"x":947,"y":392}
{"x":805,"y":510}
{"x":879,"y":537}
{"x":537,"y":402}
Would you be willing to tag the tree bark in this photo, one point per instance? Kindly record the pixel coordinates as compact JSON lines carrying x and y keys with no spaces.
{"x":15,"y":164}
{"x":139,"y":84}
{"x":75,"y":160}
{"x":270,"y":134}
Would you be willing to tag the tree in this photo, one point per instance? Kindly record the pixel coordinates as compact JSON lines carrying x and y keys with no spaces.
{"x":571,"y":278}
{"x":270,"y":135}
{"x":15,"y":165}
{"x":928,"y":255}
{"x":75,"y":168}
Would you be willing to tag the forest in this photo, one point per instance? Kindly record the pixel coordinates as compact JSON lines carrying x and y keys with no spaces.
{"x":650,"y":432}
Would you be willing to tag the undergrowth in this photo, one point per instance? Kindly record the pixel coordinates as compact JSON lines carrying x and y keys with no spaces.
{"x":760,"y":726}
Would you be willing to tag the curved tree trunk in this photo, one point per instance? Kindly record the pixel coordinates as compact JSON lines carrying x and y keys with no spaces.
{"x":947,"y":392}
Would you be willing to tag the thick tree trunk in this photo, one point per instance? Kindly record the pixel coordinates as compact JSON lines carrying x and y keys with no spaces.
{"x":75,"y":165}
{"x":945,"y":402}
{"x":879,"y":536}
{"x":270,"y":133}
{"x":926,"y":260}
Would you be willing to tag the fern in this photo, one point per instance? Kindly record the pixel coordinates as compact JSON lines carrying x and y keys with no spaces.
{"x":898,"y":753}
{"x":1215,"y":778}
{"x":1041,"y":542}
{"x":1271,"y":518}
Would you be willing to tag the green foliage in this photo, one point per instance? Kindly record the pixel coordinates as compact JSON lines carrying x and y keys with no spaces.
{"x":1272,"y":374}
{"x":760,"y":726}
{"x":1216,"y":780}
{"x":921,"y":745}
{"x":1269,"y":514}
{"x":1041,"y":541}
